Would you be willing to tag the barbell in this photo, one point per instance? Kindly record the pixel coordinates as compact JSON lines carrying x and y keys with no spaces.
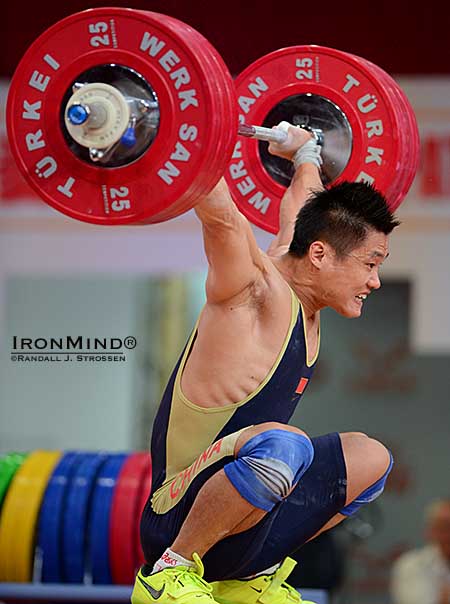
{"x":121,"y":116}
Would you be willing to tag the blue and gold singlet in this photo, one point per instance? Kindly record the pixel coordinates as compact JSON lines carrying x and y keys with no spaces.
{"x":190,"y":444}
{"x":187,"y":438}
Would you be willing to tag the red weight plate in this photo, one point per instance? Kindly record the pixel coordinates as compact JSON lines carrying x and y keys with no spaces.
{"x":414,"y":154}
{"x":226,"y":138}
{"x":401,"y":129}
{"x":125,"y":512}
{"x":146,"y":486}
{"x":411,"y":149}
{"x":178,"y":160}
{"x":222,"y":136}
{"x":223,"y":143}
{"x":410,"y":132}
{"x":338,"y":78}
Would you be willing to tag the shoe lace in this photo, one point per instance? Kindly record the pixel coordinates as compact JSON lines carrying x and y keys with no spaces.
{"x":191,"y":575}
{"x":292,"y":592}
{"x":278,"y":581}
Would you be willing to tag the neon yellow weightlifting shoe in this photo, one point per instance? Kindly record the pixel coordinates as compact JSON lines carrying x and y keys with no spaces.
{"x":263,"y":589}
{"x":180,"y":584}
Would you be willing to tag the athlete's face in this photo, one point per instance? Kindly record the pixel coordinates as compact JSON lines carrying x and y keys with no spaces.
{"x":347,"y":281}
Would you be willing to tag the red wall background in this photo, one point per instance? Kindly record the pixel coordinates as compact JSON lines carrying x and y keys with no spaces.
{"x":401,"y":37}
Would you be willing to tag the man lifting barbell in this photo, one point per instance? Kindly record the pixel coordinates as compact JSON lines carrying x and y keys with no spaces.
{"x":236,"y":489}
{"x":148,"y":123}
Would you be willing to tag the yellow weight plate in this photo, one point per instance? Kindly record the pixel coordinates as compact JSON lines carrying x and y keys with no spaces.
{"x":20,"y":513}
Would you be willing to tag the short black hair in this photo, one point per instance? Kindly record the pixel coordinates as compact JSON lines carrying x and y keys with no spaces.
{"x":341,"y":215}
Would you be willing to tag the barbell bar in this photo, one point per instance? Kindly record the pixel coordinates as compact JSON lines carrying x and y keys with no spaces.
{"x":138,"y":116}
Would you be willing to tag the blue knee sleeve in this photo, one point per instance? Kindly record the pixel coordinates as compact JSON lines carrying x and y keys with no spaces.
{"x":268,"y":465}
{"x":369,"y":494}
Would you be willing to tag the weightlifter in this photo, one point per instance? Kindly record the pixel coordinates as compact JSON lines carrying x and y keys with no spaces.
{"x":235,"y":488}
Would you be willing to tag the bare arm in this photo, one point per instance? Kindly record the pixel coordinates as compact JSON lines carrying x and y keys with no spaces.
{"x":234,"y":259}
{"x":306,"y":179}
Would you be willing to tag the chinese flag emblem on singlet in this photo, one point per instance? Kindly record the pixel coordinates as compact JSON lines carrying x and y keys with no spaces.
{"x":301,"y":385}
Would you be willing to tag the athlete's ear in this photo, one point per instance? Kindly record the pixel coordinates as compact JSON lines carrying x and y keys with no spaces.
{"x":318,"y":253}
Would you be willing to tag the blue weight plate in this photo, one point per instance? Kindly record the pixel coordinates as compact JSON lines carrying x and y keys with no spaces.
{"x":49,"y":535}
{"x":76,"y":515}
{"x":99,"y":520}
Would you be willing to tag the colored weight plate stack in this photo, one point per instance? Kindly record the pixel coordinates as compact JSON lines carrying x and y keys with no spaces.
{"x":126,"y":510}
{"x":19,"y":515}
{"x":343,"y":81}
{"x":72,"y":517}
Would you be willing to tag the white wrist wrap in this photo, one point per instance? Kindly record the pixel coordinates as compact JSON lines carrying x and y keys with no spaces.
{"x":309,"y":153}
